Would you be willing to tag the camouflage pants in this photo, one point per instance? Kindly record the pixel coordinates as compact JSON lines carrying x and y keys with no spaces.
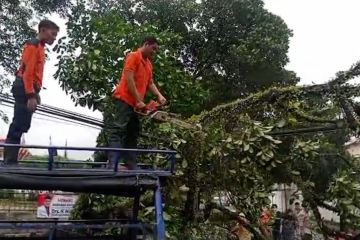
{"x":122,"y":127}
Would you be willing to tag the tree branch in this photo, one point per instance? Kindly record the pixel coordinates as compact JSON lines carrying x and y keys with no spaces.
{"x":272,"y":95}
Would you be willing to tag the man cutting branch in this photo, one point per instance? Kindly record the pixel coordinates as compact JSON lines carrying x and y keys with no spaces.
{"x":123,"y":125}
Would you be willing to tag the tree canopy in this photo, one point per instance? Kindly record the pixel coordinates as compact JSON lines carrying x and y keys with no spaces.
{"x":205,"y":58}
{"x":17,"y":19}
{"x":231,"y":55}
{"x":221,"y":65}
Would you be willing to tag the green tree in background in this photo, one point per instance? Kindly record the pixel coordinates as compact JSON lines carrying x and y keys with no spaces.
{"x":17,"y":19}
{"x":221,"y":65}
{"x":231,"y":48}
{"x":214,"y":52}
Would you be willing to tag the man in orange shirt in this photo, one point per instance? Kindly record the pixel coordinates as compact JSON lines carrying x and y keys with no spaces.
{"x":27,"y":85}
{"x":123,"y":125}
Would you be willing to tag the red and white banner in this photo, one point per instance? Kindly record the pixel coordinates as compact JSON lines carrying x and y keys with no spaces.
{"x":56,"y":206}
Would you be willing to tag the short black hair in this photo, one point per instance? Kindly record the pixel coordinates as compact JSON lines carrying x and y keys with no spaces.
{"x":274,"y":206}
{"x":48,"y":197}
{"x":150,"y":40}
{"x":48,"y":24}
{"x":297,"y":203}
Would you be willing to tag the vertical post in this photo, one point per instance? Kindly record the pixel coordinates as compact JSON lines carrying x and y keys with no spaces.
{"x":116,"y":167}
{"x":51,"y":158}
{"x":136,"y":207}
{"x":134,"y":231}
{"x":172,"y":163}
{"x":160,"y":224}
{"x":52,"y":234}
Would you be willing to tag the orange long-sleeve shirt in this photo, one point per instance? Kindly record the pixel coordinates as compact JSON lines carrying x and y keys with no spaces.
{"x":32,"y":66}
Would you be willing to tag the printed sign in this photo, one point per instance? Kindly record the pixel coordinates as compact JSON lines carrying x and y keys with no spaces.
{"x":55,"y":205}
{"x":61,"y":206}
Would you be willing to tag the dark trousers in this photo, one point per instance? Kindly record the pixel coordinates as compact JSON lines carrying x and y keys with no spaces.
{"x":122,"y":127}
{"x":276,"y":234}
{"x":20,"y":124}
{"x":306,"y":236}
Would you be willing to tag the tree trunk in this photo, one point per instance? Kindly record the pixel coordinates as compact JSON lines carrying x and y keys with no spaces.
{"x":195,"y":153}
{"x":191,"y":207}
{"x":324,"y":229}
{"x":342,"y":224}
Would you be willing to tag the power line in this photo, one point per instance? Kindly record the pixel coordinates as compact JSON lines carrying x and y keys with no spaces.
{"x":84,"y":120}
{"x":47,"y":108}
{"x":62,"y":120}
{"x":60,"y":113}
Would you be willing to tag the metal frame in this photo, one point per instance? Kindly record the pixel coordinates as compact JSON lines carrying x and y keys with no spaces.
{"x":53,"y":152}
{"x":160,"y":223}
{"x":134,"y":223}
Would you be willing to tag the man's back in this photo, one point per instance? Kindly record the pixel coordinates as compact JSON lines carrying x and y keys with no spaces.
{"x":303,"y":219}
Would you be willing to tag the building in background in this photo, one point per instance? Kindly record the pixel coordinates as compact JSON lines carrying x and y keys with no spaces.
{"x":283,"y":193}
{"x":353,"y":147}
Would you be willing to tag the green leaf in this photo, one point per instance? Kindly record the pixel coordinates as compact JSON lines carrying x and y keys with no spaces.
{"x":184,"y":164}
{"x":184,"y":188}
{"x":167,"y":217}
{"x":246,"y":147}
{"x":281,"y":123}
{"x":295,"y":173}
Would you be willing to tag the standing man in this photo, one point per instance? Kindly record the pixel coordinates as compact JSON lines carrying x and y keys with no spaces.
{"x":123,"y":125}
{"x":27,"y":85}
{"x":297,"y":210}
{"x":303,"y":219}
{"x":276,"y":223}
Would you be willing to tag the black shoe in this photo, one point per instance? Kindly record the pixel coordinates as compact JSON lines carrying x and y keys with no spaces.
{"x":11,"y":156}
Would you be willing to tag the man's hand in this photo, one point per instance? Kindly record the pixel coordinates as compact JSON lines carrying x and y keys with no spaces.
{"x":32,"y":104}
{"x":161,"y":100}
{"x":140,"y":105}
{"x":38,"y":99}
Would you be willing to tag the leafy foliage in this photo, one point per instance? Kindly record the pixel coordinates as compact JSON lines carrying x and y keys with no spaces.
{"x":215,"y":52}
{"x":17,"y":21}
{"x":89,"y":69}
{"x":15,"y":29}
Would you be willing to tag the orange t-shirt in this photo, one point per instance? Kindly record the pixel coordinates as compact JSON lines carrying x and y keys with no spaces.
{"x":142,"y":69}
{"x":32,"y":66}
{"x":265,"y":217}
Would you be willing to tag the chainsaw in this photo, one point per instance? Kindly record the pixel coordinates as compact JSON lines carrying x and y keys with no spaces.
{"x":154,"y":111}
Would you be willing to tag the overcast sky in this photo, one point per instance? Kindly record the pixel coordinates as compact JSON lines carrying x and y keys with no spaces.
{"x":326,"y":39}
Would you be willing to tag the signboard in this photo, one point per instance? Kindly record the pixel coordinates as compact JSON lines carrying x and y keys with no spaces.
{"x":56,"y":206}
{"x":61,"y":206}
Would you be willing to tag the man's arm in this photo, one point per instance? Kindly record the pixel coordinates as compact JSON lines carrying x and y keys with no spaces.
{"x":153,"y":88}
{"x":29,"y":61}
{"x":131,"y":85}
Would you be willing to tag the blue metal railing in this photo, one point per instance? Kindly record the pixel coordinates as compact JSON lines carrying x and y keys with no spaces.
{"x":160,"y":224}
{"x":53,"y":150}
{"x":54,"y":225}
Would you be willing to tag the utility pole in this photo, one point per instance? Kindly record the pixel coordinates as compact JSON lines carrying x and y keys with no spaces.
{"x":65,"y":152}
